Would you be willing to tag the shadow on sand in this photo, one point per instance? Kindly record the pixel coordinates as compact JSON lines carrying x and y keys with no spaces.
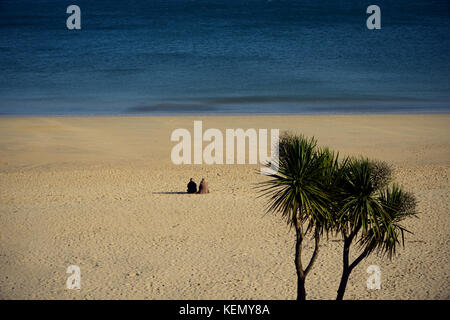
{"x":170,"y":193}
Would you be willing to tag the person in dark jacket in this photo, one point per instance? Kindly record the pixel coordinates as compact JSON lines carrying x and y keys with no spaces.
{"x":191,"y":186}
{"x":203,"y":187}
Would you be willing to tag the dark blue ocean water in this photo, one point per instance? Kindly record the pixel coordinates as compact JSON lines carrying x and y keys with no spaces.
{"x":223,"y":56}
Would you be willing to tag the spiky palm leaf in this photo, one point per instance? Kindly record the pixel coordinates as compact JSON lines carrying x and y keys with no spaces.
{"x":361,"y":209}
{"x":399,"y":205}
{"x":299,"y":190}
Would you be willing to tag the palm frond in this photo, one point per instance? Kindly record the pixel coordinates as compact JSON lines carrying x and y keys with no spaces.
{"x":299,"y":190}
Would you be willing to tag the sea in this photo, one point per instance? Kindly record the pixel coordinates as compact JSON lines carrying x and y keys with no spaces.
{"x":223,"y":57}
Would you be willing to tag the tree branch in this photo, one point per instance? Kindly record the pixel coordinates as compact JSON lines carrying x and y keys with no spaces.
{"x":315,"y":253}
{"x":359,"y":259}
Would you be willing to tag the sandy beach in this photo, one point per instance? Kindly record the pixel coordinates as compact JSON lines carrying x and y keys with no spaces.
{"x":103,"y":194}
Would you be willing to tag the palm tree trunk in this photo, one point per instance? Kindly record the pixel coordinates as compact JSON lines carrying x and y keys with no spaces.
{"x":345,"y":269}
{"x":348,"y":268}
{"x":301,"y":293}
{"x":343,"y":284}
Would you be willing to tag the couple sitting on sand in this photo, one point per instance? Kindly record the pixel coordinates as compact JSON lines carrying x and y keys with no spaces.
{"x":202,"y":188}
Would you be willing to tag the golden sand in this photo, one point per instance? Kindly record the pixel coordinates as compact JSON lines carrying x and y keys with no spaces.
{"x":103,"y":194}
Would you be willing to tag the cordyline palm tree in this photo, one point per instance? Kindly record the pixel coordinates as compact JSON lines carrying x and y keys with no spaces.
{"x":370,"y":213}
{"x":300,"y":191}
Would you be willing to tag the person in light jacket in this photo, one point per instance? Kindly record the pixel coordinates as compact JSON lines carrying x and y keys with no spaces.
{"x":203,"y":187}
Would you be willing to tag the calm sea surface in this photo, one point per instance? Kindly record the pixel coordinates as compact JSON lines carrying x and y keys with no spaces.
{"x":223,"y":57}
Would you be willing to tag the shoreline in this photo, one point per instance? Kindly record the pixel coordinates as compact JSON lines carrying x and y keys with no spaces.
{"x":5,"y":116}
